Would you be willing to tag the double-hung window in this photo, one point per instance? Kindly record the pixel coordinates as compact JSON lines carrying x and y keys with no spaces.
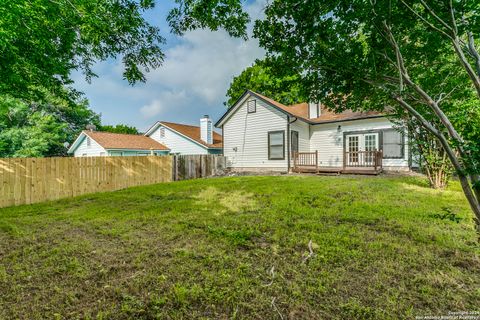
{"x":393,"y":144}
{"x":276,"y":145}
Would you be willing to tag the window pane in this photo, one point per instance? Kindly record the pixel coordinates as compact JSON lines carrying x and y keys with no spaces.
{"x":276,"y":138}
{"x":392,"y":144}
{"x":392,"y":136}
{"x":276,"y":152}
{"x":370,"y":142}
{"x":392,"y":151}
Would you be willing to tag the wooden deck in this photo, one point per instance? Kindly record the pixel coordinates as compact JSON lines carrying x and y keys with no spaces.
{"x":366,"y":162}
{"x":338,"y":170}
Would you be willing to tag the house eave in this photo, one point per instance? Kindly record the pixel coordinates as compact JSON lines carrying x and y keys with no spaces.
{"x":221,"y":121}
{"x":78,"y":141}
{"x":185,"y":136}
{"x":151,"y":129}
{"x":346,"y":120}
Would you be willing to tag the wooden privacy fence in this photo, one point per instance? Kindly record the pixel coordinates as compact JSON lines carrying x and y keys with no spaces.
{"x":197,"y":166}
{"x":32,"y":180}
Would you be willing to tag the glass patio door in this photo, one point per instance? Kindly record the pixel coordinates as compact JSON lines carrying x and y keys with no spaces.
{"x":370,"y":144}
{"x":360,"y":149}
{"x":353,"y":147}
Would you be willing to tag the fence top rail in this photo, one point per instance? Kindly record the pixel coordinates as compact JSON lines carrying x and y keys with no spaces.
{"x":88,"y":157}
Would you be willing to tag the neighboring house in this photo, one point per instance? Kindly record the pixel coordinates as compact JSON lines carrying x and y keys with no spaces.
{"x":260,"y":133}
{"x":187,"y":139}
{"x":97,"y":144}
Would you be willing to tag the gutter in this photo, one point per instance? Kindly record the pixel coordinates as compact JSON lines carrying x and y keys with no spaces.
{"x":288,"y":141}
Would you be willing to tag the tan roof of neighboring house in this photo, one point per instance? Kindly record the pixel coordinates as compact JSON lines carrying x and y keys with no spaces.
{"x":193,"y":132}
{"x":110,"y":140}
{"x":301,"y":110}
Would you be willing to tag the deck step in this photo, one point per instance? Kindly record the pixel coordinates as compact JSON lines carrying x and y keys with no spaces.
{"x":338,"y":170}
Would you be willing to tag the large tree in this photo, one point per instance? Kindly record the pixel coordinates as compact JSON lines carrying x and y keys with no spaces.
{"x":119,"y":128}
{"x":35,"y":129}
{"x":42,"y":41}
{"x":280,"y":85}
{"x":411,"y":56}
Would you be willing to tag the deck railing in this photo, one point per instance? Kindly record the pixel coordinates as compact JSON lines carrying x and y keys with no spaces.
{"x":305,"y":159}
{"x":363,"y":159}
{"x":351,"y":159}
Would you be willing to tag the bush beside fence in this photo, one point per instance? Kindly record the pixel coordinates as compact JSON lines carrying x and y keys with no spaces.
{"x":32,"y":180}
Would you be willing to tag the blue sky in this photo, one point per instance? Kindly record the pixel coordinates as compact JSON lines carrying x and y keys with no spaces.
{"x":193,"y":80}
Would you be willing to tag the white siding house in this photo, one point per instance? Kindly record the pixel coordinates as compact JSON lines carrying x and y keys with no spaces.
{"x":179,"y":143}
{"x":187,"y":139}
{"x":246,"y":143}
{"x":88,"y":147}
{"x":329,"y":141}
{"x":254,"y":127}
{"x":100,"y":144}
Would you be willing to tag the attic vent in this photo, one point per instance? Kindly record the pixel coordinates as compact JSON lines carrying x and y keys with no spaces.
{"x":162,"y":132}
{"x":89,"y":142}
{"x":252,"y":106}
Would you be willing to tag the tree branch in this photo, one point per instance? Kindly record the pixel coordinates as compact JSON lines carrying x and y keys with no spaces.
{"x":431,"y":25}
{"x":473,"y":51}
{"x":425,"y":5}
{"x":452,"y":15}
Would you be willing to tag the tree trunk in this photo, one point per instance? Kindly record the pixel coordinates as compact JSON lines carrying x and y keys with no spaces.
{"x":472,"y":200}
{"x":464,"y":181}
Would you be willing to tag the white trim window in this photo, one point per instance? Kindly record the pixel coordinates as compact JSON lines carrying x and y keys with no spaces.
{"x":393,"y":144}
{"x":276,"y":145}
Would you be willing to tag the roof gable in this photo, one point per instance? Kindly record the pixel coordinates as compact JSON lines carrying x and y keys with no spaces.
{"x":300,"y":111}
{"x":108,"y":140}
{"x":190,"y":132}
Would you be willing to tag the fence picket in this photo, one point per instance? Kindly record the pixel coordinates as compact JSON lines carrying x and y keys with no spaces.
{"x":32,"y":180}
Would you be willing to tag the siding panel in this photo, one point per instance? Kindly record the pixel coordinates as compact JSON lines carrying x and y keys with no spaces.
{"x":94,"y":150}
{"x":177,"y":143}
{"x":246,"y":137}
{"x":303,"y":135}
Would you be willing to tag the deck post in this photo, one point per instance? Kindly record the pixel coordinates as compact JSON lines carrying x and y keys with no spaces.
{"x":294,"y":161}
{"x":380,"y":159}
{"x":316,"y":161}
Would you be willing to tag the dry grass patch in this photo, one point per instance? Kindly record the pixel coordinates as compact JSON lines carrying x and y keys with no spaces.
{"x":234,"y":201}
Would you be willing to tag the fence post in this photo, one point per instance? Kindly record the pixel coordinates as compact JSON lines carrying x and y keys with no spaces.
{"x":174,"y":168}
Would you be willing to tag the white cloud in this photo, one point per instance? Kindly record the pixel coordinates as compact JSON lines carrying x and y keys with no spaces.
{"x":205,"y":62}
{"x":166,"y":100}
{"x":193,"y":80}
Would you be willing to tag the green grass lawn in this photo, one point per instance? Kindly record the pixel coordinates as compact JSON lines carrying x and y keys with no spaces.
{"x":384,"y":248}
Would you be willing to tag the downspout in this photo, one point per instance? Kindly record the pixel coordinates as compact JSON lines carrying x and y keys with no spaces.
{"x":288,"y":141}
{"x":223,"y":140}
